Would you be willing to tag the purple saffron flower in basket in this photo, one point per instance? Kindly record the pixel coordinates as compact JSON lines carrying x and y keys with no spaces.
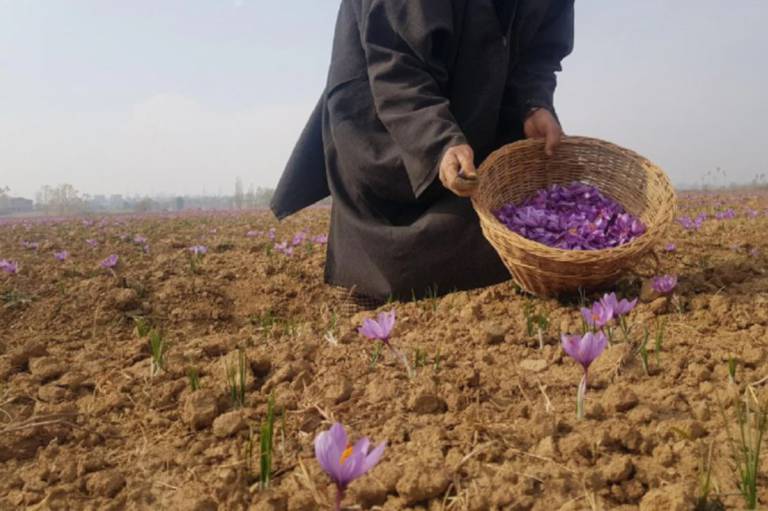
{"x":343,"y":462}
{"x":198,"y":250}
{"x":379,"y":328}
{"x":9,"y":267}
{"x":599,"y":315}
{"x":584,"y":349}
{"x":61,"y":255}
{"x":110,"y":262}
{"x":573,"y":217}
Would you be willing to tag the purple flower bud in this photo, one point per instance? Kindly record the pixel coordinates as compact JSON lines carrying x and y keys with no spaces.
{"x":664,"y":284}
{"x":283,"y":248}
{"x":379,"y":328}
{"x":62,"y":255}
{"x":109,"y":262}
{"x":9,"y":267}
{"x":299,"y":238}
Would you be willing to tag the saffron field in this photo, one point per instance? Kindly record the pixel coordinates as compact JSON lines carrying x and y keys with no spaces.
{"x":197,"y":362}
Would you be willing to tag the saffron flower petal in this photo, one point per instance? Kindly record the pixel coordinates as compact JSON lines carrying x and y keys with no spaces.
{"x":584,"y":349}
{"x":343,"y":463}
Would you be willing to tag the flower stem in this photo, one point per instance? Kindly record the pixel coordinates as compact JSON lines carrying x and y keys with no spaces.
{"x":403,"y":358}
{"x":339,"y":497}
{"x":580,"y":397}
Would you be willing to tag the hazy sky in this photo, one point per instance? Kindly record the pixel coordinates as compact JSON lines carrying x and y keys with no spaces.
{"x":181,"y":96}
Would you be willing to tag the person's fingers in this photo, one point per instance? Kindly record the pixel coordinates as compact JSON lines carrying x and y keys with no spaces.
{"x":467,"y":161}
{"x":554,"y":133}
{"x":449,"y":168}
{"x":457,"y":171}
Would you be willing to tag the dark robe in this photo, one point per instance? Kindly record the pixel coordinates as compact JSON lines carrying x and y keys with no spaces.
{"x":409,"y":79}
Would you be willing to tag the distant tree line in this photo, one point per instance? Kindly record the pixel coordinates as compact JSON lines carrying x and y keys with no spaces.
{"x":65,"y":199}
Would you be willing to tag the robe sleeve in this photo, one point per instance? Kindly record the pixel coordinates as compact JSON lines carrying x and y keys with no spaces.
{"x":406,"y":44}
{"x":532,"y":79}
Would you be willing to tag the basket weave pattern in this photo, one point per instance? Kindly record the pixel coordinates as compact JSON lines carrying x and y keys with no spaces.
{"x":517,"y":171}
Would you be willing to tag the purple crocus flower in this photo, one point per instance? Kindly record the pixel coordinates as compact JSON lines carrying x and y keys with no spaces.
{"x":619,"y":307}
{"x":664,"y":284}
{"x":584,"y":349}
{"x":92,"y":242}
{"x":198,"y":250}
{"x":671,"y":247}
{"x":140,"y":240}
{"x":9,"y":267}
{"x":320,"y":239}
{"x":30,"y":245}
{"x":110,"y":262}
{"x":299,"y":238}
{"x":61,"y":256}
{"x":271,"y":234}
{"x":379,"y":328}
{"x":283,"y":248}
{"x":343,"y":462}
{"x":599,"y":315}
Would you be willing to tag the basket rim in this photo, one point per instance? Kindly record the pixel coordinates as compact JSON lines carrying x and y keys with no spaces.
{"x":488,"y":218}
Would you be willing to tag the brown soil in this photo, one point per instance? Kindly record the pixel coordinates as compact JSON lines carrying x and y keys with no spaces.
{"x":488,"y":422}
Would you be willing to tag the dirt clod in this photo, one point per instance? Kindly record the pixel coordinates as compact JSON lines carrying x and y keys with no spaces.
{"x":620,"y":398}
{"x":106,"y":483}
{"x":675,"y":497}
{"x":46,"y":368}
{"x":419,"y":482}
{"x":200,"y":409}
{"x":228,"y":424}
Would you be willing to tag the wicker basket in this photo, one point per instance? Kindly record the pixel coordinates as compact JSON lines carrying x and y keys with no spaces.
{"x":516,"y":171}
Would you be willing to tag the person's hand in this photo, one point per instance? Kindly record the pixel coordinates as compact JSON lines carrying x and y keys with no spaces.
{"x":542,"y":124}
{"x":457,"y":170}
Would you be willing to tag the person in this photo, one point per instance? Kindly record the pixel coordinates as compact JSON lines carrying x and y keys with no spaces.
{"x":418,"y":93}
